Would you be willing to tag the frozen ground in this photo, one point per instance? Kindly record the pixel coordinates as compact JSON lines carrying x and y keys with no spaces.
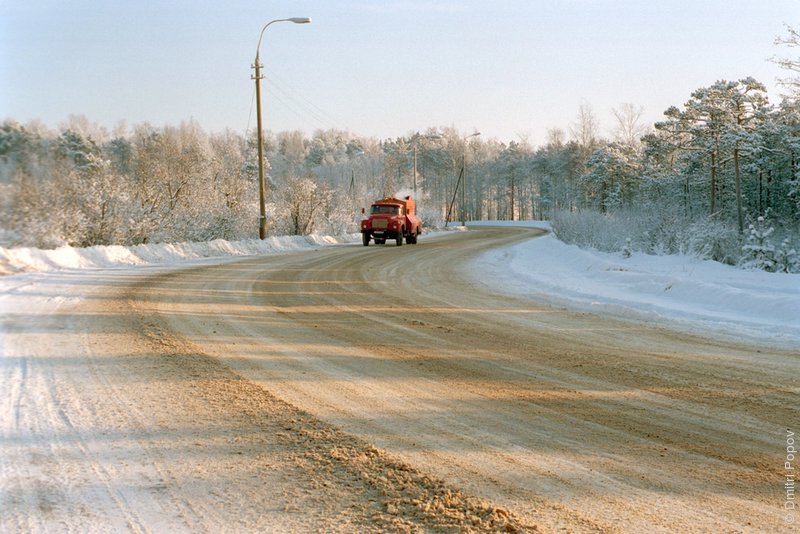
{"x":682,"y":292}
{"x":167,"y":388}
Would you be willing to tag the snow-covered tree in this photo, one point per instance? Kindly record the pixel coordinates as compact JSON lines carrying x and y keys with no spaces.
{"x":611,"y":180}
{"x":302,"y":205}
{"x":759,"y":252}
{"x":790,"y":64}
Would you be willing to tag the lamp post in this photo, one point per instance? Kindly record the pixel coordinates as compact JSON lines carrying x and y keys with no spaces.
{"x":262,"y":194}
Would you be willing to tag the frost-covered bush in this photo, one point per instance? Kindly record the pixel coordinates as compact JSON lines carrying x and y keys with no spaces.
{"x":768,"y":247}
{"x":711,"y":239}
{"x":631,"y":230}
{"x":304,"y":206}
{"x":787,"y":259}
{"x":431,"y":217}
{"x":660,"y":233}
{"x":627,"y":250}
{"x":590,"y":229}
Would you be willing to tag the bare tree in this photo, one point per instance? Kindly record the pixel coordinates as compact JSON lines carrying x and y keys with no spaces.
{"x":555,"y":138}
{"x":792,"y":40}
{"x":304,"y":201}
{"x":628,"y":129}
{"x":585,"y":130}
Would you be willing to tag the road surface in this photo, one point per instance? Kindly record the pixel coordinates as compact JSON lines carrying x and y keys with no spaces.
{"x":379,"y":388}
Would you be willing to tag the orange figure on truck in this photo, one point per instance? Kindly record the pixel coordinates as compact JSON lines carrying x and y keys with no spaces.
{"x":391,"y":218}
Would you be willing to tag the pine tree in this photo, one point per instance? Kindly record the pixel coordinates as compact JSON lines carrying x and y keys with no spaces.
{"x":759,"y":252}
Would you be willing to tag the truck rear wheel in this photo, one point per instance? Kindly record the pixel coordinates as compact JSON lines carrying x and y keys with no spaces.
{"x":411,"y":239}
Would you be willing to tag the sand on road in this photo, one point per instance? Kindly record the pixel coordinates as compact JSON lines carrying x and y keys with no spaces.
{"x":388,"y":388}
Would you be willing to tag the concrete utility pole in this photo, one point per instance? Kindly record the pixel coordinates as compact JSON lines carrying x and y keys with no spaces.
{"x":262,"y":184}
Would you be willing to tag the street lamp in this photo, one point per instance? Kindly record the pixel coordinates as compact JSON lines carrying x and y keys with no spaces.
{"x":262,"y":195}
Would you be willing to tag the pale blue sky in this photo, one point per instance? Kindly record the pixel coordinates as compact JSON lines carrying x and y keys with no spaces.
{"x":380,"y":68}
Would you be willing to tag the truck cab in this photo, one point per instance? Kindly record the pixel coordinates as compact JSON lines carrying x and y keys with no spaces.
{"x":391,"y":218}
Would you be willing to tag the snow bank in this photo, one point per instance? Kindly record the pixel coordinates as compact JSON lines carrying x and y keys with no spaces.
{"x":699,"y":296}
{"x":17,"y":260}
{"x":22,"y":260}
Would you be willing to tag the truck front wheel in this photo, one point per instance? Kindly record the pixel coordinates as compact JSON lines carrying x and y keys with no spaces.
{"x":365,"y":239}
{"x":399,"y":238}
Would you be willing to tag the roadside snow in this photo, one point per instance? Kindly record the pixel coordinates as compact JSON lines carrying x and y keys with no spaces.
{"x":15,"y":260}
{"x":25,"y":260}
{"x":53,"y":424}
{"x":698,"y":296}
{"x":693,"y":295}
{"x":34,"y":281}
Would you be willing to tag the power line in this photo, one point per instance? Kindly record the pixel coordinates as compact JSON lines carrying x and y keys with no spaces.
{"x":296,"y":106}
{"x":293,"y":101}
{"x":295,"y":95}
{"x":250,"y":115}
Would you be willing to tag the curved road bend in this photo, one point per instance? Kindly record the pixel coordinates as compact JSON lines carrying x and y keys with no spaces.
{"x":567,"y":419}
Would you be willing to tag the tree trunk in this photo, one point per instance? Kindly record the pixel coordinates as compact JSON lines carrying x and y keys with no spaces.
{"x":512,"y":197}
{"x":739,"y":215}
{"x":713,"y":183}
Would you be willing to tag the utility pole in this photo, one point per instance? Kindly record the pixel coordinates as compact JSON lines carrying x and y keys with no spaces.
{"x":455,"y":193}
{"x":415,"y":169}
{"x":262,"y":184}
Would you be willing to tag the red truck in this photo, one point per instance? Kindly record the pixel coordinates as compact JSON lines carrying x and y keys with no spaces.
{"x":391,"y":218}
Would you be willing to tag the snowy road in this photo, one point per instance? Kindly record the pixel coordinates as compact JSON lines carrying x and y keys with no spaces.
{"x":157,"y":401}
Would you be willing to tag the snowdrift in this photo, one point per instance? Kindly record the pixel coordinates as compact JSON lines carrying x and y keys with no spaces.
{"x":683,"y":292}
{"x":18,"y":260}
{"x":694,"y":295}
